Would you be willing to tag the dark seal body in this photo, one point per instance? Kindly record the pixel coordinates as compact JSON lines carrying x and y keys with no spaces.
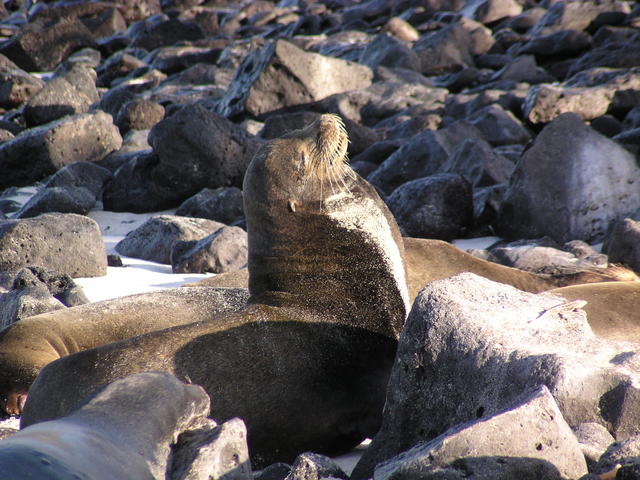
{"x":305,"y":365}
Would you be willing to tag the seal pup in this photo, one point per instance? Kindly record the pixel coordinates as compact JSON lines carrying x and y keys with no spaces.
{"x":306,"y":364}
{"x":123,"y":431}
{"x":30,"y":344}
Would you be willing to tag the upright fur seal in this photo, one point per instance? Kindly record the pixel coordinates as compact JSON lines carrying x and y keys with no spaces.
{"x":124,"y":431}
{"x":305,"y":365}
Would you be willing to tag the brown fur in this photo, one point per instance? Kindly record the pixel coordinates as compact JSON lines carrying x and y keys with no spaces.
{"x":307,"y":362}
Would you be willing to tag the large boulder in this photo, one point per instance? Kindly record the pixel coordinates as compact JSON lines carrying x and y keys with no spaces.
{"x":570,"y":184}
{"x":540,"y":445}
{"x":154,"y":239}
{"x":471,"y":346}
{"x":192,"y":149}
{"x":281,"y":75}
{"x":67,"y":243}
{"x":38,"y":152}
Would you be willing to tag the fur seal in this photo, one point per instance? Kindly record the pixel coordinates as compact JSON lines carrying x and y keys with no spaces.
{"x":30,"y":344}
{"x":306,"y":364}
{"x":428,"y":260}
{"x":123,"y":431}
{"x":613,"y":308}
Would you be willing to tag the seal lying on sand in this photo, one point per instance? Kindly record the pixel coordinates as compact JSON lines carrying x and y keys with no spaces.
{"x":28,"y":345}
{"x":306,"y":364}
{"x":124,"y":431}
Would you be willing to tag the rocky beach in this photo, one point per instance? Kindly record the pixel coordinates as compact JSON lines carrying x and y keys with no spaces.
{"x":126,"y":129}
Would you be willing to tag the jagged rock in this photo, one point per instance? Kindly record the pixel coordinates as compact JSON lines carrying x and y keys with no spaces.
{"x":193,"y":149}
{"x":58,"y":199}
{"x":120,"y":64}
{"x":69,"y":93}
{"x":41,"y":151}
{"x":560,"y":43}
{"x":18,"y":304}
{"x":478,"y":163}
{"x":499,"y":126}
{"x":471,"y":346}
{"x":487,"y":11}
{"x":523,"y":69}
{"x":16,"y":85}
{"x":281,"y":74}
{"x":387,"y":51}
{"x":222,"y":205}
{"x":313,"y":466}
{"x":444,"y":51}
{"x":154,"y":239}
{"x":275,"y":471}
{"x":622,"y":244}
{"x":225,"y":250}
{"x":623,"y":452}
{"x":423,"y":155}
{"x":66,"y":243}
{"x":213,"y":451}
{"x":139,"y":114}
{"x":438,"y":206}
{"x":164,"y":33}
{"x":594,"y":439}
{"x":577,"y":15}
{"x":570,"y":184}
{"x":42,"y":45}
{"x":401,"y":29}
{"x":529,"y":440}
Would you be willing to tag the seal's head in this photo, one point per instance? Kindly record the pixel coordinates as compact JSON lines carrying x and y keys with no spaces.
{"x":319,"y":235}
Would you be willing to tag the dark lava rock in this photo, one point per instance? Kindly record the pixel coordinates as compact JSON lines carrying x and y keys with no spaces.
{"x":221,"y":204}
{"x":193,"y":149}
{"x":225,"y":250}
{"x":439,"y":206}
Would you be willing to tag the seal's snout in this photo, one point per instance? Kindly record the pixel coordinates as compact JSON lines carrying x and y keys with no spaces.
{"x":332,"y":139}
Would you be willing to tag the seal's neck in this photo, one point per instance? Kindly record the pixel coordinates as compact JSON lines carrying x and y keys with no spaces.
{"x":342,"y":258}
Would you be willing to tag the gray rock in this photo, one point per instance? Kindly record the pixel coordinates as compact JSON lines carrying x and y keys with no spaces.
{"x":176,"y":58}
{"x":499,"y":126}
{"x":193,"y":149}
{"x":477,"y":162}
{"x":546,"y":102}
{"x":120,"y":64}
{"x":16,"y":305}
{"x":66,"y":243}
{"x":81,"y":174}
{"x":154,"y":239}
{"x":470,"y":347}
{"x":523,"y":68}
{"x":423,"y":155}
{"x":444,"y":51}
{"x":213,"y":451}
{"x":139,"y":114}
{"x":544,"y":199}
{"x":222,"y":205}
{"x":559,"y":43}
{"x":16,"y":85}
{"x":594,"y":440}
{"x":313,"y":466}
{"x":623,"y":452}
{"x":622,"y":245}
{"x":281,"y":75}
{"x":275,"y":471}
{"x":439,"y":206}
{"x":487,"y":11}
{"x":165,"y":32}
{"x":69,"y":93}
{"x":60,"y":285}
{"x":225,"y":250}
{"x":622,"y":55}
{"x":58,"y":199}
{"x":389,"y":52}
{"x":576,"y":15}
{"x":531,"y":429}
{"x":42,"y":45}
{"x":41,"y":151}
